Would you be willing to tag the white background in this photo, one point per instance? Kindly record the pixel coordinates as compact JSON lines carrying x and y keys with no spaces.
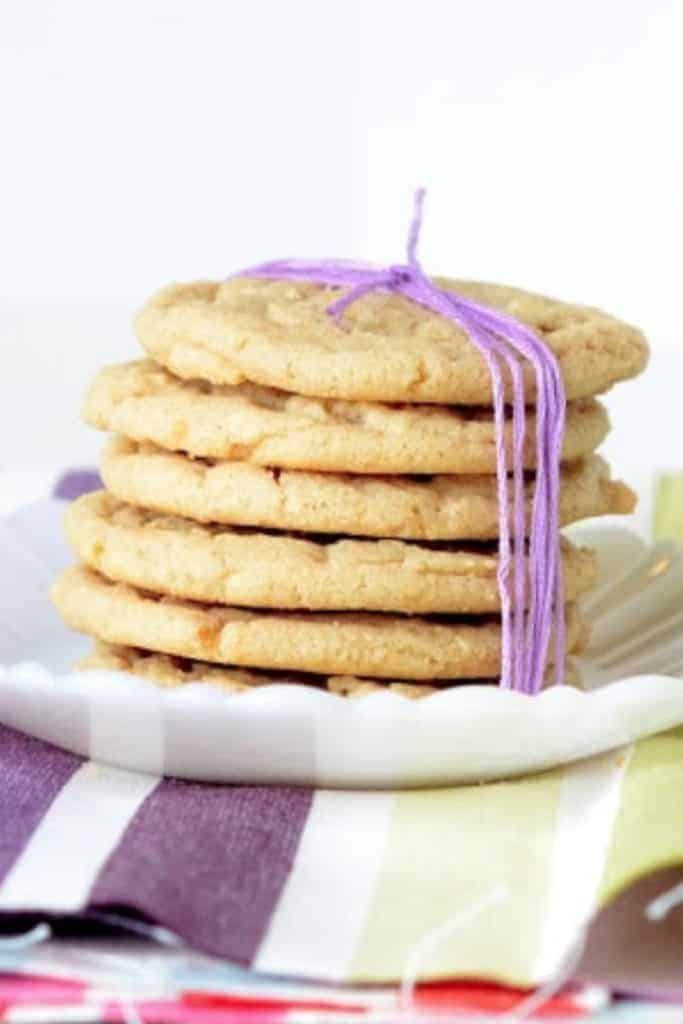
{"x":150,"y":140}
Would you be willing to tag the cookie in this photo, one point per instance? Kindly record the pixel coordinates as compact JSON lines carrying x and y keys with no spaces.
{"x":351,"y":643}
{"x":224,"y":565}
{"x":171,"y":673}
{"x":387,"y":349}
{"x":417,"y":508}
{"x":250,"y":423}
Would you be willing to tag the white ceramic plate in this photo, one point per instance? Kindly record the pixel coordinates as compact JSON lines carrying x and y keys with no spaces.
{"x":295,"y":735}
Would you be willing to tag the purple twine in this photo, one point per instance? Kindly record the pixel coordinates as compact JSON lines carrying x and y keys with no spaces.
{"x":503,"y":342}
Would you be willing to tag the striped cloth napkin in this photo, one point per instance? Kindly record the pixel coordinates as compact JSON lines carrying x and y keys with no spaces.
{"x":491,"y":881}
{"x":496,"y":881}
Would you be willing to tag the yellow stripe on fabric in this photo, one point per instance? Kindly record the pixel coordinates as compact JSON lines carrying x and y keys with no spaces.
{"x":447,"y":850}
{"x":648,"y":833}
{"x":668,"y":519}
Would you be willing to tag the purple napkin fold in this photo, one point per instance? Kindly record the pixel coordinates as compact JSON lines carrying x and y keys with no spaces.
{"x":208,"y":862}
{"x":76,"y":482}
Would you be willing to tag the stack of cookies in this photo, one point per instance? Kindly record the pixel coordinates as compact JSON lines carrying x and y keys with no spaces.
{"x":294,"y":500}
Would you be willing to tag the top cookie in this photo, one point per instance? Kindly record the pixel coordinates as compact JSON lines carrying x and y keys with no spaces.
{"x":389,"y":349}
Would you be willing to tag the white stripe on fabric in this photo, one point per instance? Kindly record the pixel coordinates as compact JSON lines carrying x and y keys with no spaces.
{"x":80,"y":1013}
{"x":589,"y":804}
{"x":61,"y":861}
{"x":325,"y":902}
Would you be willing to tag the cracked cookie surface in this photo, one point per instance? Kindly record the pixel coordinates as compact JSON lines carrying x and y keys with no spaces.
{"x":251,"y":423}
{"x":403,"y":507}
{"x":348,"y":644}
{"x":233,"y":566}
{"x":387,"y":348}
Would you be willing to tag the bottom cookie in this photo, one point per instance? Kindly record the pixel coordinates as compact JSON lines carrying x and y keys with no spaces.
{"x":171,"y":673}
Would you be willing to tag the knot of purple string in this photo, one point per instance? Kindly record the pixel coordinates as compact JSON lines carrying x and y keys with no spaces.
{"x":532,"y":603}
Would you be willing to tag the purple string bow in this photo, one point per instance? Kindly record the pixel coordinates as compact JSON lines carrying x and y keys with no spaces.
{"x":503,"y":342}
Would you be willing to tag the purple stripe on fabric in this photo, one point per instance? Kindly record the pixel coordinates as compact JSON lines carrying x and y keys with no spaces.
{"x":209,"y":862}
{"x":76,"y":482}
{"x":33,"y":773}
